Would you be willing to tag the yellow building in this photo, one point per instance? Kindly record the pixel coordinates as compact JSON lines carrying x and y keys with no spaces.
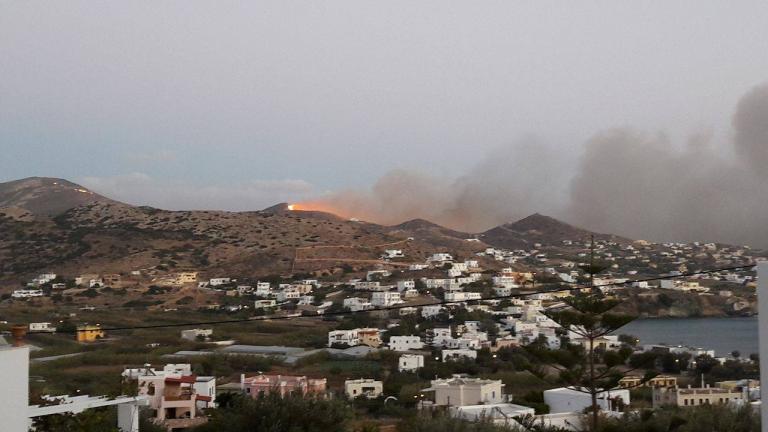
{"x":657,"y":381}
{"x":89,"y":333}
{"x":186,"y":277}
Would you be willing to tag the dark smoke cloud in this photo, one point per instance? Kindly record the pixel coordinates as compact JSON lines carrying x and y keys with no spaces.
{"x":626,"y":182}
{"x":641,"y":186}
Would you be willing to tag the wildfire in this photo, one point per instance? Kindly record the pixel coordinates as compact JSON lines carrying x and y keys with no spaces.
{"x":316,"y":206}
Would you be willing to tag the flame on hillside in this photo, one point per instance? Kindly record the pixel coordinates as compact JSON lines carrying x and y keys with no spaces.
{"x":316,"y":206}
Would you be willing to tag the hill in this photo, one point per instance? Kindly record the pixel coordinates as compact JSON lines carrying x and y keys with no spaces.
{"x":55,"y":225}
{"x":43,"y":196}
{"x":73,"y":230}
{"x":538,"y":228}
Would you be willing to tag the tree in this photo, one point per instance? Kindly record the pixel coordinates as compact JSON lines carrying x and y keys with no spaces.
{"x":588,"y":369}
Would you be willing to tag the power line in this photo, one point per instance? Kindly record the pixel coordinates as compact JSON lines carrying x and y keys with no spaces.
{"x":398,"y":307}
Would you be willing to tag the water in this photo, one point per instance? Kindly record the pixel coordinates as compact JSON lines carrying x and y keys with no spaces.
{"x":723,"y":335}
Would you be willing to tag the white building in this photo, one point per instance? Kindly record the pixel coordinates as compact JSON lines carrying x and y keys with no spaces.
{"x":565,"y":399}
{"x":440,"y":258}
{"x":404,"y":285}
{"x":463,"y":391}
{"x":219,"y":281}
{"x":410,"y":362}
{"x":343,"y":337}
{"x":263,"y":289}
{"x":405,"y":343}
{"x":27,"y":293}
{"x":356,"y":304}
{"x":41,"y":327}
{"x":14,"y":374}
{"x":385,"y":298}
{"x":460,"y":296}
{"x":367,"y":388}
{"x":288,"y":294}
{"x":393,"y":253}
{"x":44,"y":278}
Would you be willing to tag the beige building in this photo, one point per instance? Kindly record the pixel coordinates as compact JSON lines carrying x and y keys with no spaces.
{"x":370,"y":337}
{"x":657,"y":381}
{"x":683,"y":397}
{"x":186,"y":277}
{"x":461,"y":391}
{"x":368,"y":388}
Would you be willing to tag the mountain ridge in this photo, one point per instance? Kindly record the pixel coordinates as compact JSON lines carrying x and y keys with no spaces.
{"x":75,"y":230}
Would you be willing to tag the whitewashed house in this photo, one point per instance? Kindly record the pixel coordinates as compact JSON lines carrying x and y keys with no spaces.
{"x":405,"y":343}
{"x":343,"y":337}
{"x":410,"y":362}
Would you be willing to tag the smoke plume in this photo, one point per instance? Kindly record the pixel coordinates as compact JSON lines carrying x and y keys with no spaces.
{"x":626,"y":182}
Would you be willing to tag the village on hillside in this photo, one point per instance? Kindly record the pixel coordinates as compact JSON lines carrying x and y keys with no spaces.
{"x":453,"y":333}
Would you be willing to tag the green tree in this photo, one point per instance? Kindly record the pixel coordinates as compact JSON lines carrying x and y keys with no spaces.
{"x":271,"y":413}
{"x":589,"y":369}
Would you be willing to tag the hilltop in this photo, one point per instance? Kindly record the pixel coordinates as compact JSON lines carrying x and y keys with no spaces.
{"x":542,"y":229}
{"x":43,"y":196}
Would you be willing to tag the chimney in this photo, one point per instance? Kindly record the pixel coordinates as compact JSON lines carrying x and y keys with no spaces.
{"x":18,"y":331}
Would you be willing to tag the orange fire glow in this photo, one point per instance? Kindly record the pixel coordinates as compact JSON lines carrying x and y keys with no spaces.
{"x":318,"y":206}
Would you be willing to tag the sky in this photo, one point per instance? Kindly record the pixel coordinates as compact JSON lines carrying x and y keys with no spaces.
{"x":239,"y":105}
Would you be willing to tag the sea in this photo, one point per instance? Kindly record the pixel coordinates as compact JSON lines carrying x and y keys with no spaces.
{"x":724,"y":335}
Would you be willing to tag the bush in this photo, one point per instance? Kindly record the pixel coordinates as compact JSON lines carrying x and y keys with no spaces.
{"x":271,"y":413}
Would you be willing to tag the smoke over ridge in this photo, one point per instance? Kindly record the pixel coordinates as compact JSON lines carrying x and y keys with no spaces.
{"x":626,"y":182}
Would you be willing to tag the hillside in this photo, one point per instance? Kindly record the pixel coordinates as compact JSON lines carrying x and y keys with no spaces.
{"x":55,"y":225}
{"x":71,"y":235}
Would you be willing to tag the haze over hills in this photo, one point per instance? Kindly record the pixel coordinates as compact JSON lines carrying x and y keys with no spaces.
{"x":66,"y":228}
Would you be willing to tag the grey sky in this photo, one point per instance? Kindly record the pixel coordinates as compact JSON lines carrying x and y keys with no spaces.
{"x":282,"y":100}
